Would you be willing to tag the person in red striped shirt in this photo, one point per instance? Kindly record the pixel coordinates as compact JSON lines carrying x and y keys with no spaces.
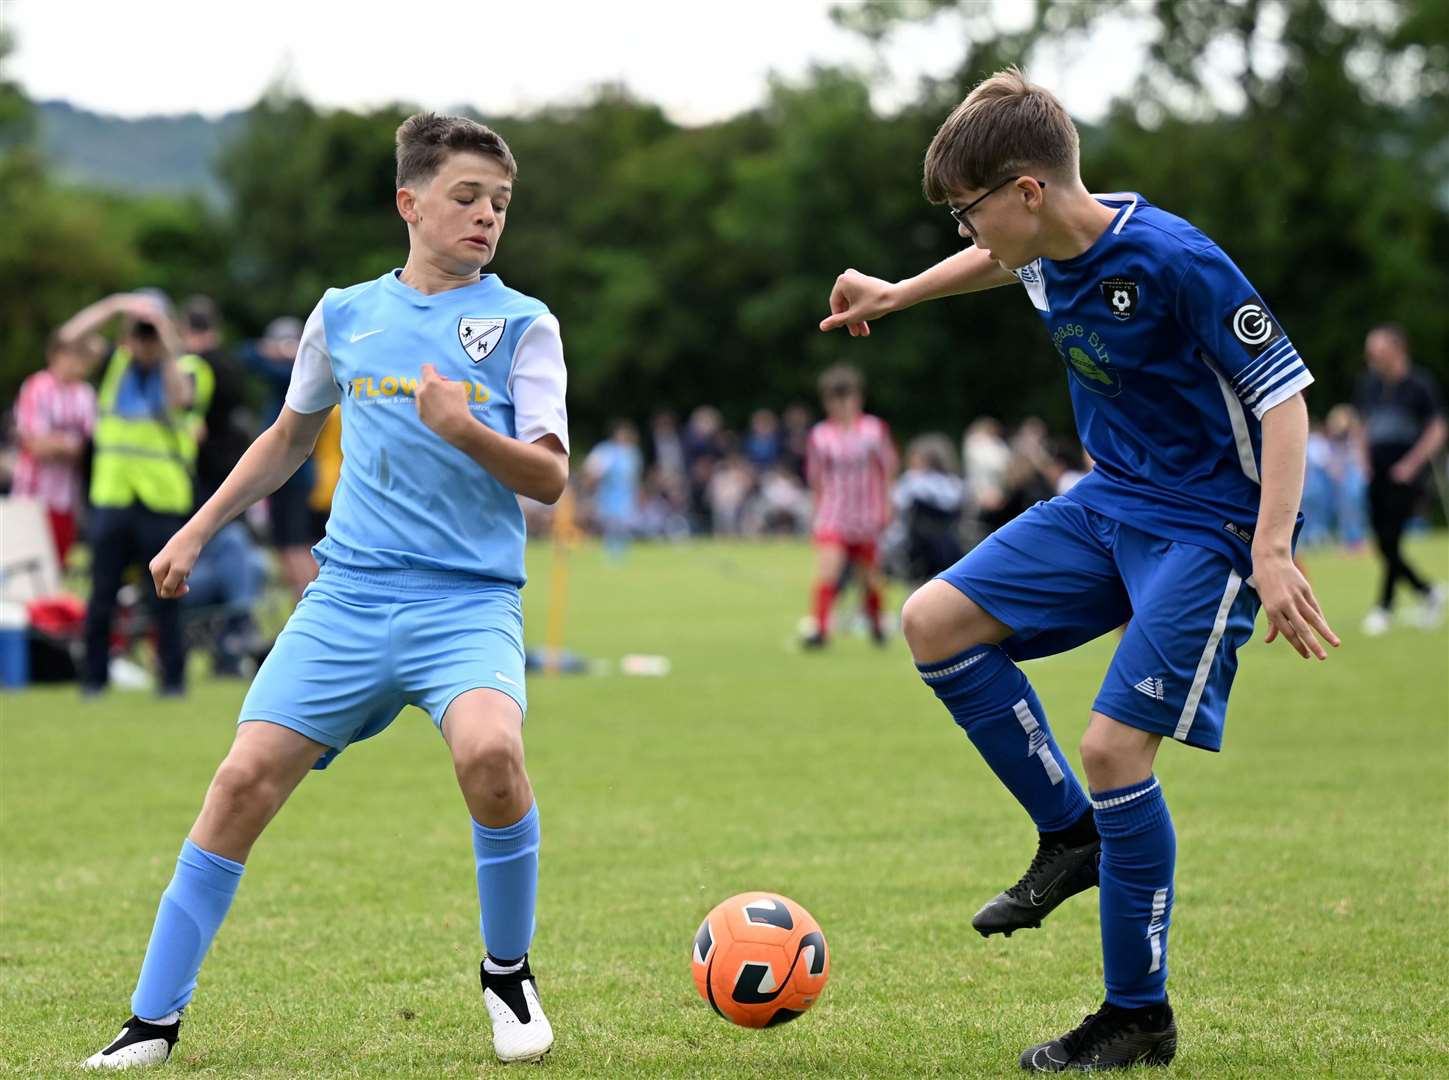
{"x":54,"y":417}
{"x":850,"y":463}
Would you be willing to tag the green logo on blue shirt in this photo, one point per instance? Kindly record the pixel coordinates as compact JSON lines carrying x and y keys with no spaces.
{"x":1086,"y":358}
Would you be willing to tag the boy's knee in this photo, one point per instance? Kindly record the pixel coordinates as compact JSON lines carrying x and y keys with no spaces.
{"x":938,"y":622}
{"x":921,"y":624}
{"x":245,"y":787}
{"x":489,"y":761}
{"x":1097,"y":753}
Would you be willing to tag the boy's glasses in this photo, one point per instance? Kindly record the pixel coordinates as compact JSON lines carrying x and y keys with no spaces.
{"x":962,"y":213}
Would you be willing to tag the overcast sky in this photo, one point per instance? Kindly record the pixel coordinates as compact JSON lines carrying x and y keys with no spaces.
{"x":702,"y":61}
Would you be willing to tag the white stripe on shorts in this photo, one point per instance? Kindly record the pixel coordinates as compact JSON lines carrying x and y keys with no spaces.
{"x":1210,"y":650}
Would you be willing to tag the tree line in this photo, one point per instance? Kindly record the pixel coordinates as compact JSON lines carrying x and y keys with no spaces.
{"x":692,"y":264}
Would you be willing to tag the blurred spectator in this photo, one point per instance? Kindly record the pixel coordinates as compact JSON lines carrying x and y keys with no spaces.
{"x":668,"y":448}
{"x":327,"y":470}
{"x":227,"y":436}
{"x":55,"y":415}
{"x":612,"y":472}
{"x":229,"y":576}
{"x":704,"y":446}
{"x":1319,"y":494}
{"x":762,"y":444}
{"x":293,"y":534}
{"x":1403,"y":428}
{"x":851,"y":466}
{"x":666,"y":500}
{"x":1349,"y":473}
{"x":985,"y":457}
{"x":150,"y":404}
{"x":730,"y":485}
{"x":1069,"y":463}
{"x":780,"y":506}
{"x":795,"y":423}
{"x":929,"y":499}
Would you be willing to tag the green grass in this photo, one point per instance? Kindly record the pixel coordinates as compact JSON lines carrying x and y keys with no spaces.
{"x":1310,"y":935}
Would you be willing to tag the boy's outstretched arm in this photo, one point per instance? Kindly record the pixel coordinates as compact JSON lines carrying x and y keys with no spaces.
{"x":858,"y":298}
{"x":268,"y":463}
{"x":1287,"y":598}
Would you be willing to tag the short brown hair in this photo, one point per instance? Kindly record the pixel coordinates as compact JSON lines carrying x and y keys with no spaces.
{"x":841,"y":379}
{"x":425,"y":139}
{"x":1005,"y":125}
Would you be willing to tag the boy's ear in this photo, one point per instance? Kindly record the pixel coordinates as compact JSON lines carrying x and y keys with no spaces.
{"x":407,"y":205}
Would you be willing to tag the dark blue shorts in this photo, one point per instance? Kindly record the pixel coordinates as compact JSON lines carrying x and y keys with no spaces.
{"x":1060,"y":575}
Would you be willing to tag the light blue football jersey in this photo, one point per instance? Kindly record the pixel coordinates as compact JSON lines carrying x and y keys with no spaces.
{"x":1172,"y":359}
{"x":408,"y":500}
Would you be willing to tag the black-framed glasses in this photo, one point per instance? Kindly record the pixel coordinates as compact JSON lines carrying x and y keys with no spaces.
{"x":960,"y":213}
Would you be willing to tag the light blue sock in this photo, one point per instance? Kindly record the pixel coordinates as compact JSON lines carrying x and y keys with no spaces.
{"x":191,"y":910}
{"x":507,"y":884}
{"x":1139,"y":853}
{"x":999,"y":711}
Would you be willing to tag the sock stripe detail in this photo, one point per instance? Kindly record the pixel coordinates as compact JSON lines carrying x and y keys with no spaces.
{"x":952,"y":669}
{"x":1036,"y":741}
{"x":1123,"y":800}
{"x":1155,"y":928}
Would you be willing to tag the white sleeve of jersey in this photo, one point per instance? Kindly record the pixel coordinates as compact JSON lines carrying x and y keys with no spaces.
{"x":537,"y":383}
{"x":313,"y":388}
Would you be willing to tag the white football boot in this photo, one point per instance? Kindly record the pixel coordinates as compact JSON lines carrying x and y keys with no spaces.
{"x":140,"y":1043}
{"x":520,"y":1030}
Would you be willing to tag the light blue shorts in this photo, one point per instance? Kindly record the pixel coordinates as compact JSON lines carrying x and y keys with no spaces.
{"x":1060,"y":575}
{"x":362,"y":644}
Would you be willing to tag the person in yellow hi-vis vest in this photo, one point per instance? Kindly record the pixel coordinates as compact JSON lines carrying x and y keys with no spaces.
{"x":149,"y":405}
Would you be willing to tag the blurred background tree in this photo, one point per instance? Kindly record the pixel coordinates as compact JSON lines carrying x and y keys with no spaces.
{"x":691,"y":264}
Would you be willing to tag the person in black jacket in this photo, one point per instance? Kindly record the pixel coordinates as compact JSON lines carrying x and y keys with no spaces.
{"x":1403,"y":428}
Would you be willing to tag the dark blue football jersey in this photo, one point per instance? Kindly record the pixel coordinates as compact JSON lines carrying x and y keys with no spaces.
{"x":1172,"y":359}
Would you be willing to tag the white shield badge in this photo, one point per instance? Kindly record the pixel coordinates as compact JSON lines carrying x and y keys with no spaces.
{"x":479,"y":337}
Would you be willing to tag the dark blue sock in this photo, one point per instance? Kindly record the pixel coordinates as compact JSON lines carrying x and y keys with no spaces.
{"x":507,"y":861}
{"x":1001,"y":714}
{"x":1139,"y":851}
{"x":191,"y":910}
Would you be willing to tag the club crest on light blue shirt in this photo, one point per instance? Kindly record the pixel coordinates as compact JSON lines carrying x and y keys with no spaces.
{"x":480,"y":336}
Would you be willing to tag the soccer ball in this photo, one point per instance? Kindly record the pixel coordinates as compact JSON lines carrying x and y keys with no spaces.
{"x":760,"y":960}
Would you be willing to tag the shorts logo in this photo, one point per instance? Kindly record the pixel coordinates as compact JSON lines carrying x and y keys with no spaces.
{"x":1253,"y":326}
{"x":1153,"y":687}
{"x":479,"y":337}
{"x":1237,"y":530}
{"x":1121,"y":297}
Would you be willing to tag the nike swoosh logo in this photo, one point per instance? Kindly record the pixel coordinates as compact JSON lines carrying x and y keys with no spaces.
{"x":504,"y":678}
{"x":1032,"y":894}
{"x":358,"y":337}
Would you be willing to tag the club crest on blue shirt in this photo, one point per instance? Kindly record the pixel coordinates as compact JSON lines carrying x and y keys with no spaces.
{"x":1121,"y":297}
{"x":479,"y":337}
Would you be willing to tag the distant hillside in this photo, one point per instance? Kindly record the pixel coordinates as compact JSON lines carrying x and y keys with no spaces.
{"x":164,"y":154}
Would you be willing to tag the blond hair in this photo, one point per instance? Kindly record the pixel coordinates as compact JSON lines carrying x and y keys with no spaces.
{"x":1006,"y":125}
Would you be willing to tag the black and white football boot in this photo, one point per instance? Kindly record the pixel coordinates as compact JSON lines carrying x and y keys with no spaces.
{"x":140,"y":1043}
{"x":1111,"y":1038}
{"x":520,"y":1030}
{"x":1065,"y":864}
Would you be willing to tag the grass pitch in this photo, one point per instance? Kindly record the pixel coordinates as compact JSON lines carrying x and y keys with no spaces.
{"x":1310,"y":935}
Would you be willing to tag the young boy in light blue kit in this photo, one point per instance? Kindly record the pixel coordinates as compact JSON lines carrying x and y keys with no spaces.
{"x":452,"y":393}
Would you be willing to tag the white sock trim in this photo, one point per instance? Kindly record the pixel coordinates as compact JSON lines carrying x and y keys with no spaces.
{"x":493,"y":967}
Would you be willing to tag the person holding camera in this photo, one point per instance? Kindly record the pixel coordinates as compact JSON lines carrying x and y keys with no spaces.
{"x":149,"y":406}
